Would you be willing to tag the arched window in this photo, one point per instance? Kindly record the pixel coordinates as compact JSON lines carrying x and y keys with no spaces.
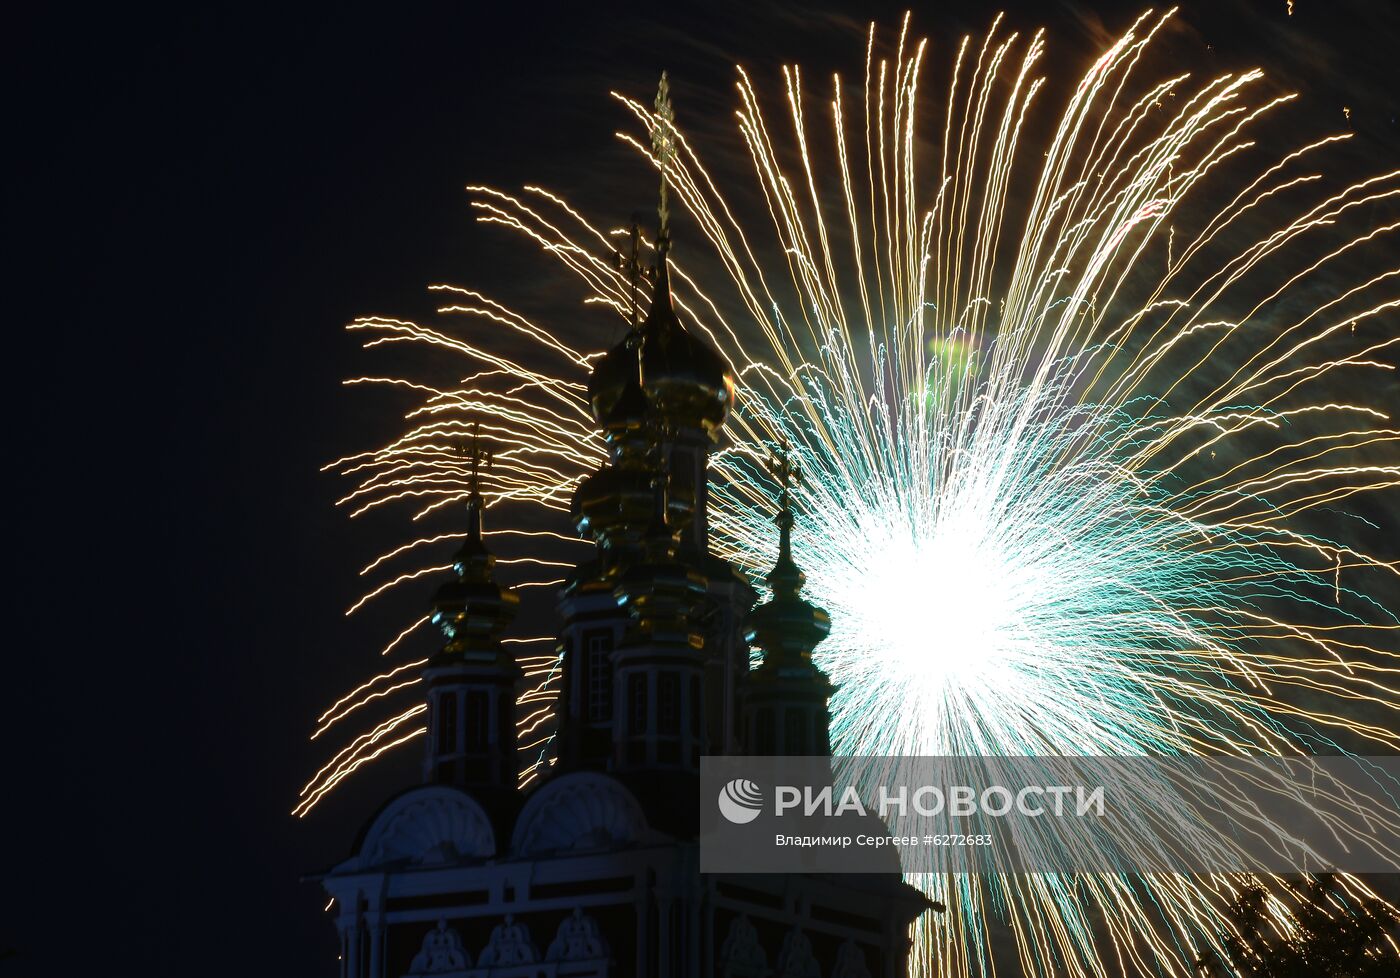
{"x":447,"y":723}
{"x":694,"y":705}
{"x":668,"y":704}
{"x":636,"y":704}
{"x":478,"y":720}
{"x":598,"y":681}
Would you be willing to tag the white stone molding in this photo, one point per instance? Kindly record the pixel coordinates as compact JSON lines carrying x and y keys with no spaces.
{"x":441,"y":953}
{"x":578,"y":939}
{"x":510,"y":944}
{"x":741,"y":956}
{"x":796,"y":959}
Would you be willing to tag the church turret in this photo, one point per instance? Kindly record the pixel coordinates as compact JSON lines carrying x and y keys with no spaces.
{"x":613,"y":505}
{"x":472,"y":679}
{"x":660,"y":396}
{"x":660,"y":669}
{"x":691,"y":389}
{"x":785,"y":698}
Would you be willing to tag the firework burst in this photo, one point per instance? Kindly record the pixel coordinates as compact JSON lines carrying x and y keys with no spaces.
{"x":1056,"y":381}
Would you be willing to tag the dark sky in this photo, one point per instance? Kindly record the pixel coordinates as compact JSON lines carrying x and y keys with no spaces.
{"x":203,"y":197}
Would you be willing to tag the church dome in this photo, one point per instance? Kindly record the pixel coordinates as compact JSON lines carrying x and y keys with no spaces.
{"x":471,"y":608}
{"x":613,"y":385}
{"x":614,"y":502}
{"x":685,"y":378}
{"x":786,"y":627}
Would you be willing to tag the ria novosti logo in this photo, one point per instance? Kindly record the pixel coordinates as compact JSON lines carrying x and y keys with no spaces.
{"x":740,"y":801}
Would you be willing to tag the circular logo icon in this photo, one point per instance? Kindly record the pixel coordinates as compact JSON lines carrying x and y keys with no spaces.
{"x":740,"y":801}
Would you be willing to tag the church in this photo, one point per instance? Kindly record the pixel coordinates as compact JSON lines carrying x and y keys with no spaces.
{"x":594,"y":870}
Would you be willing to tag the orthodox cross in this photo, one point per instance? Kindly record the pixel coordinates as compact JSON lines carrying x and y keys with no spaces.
{"x":475,"y":455}
{"x":786,"y":471}
{"x":663,"y":145}
{"x":630,"y":264}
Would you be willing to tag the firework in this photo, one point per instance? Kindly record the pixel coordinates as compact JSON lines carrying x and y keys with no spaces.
{"x":1057,"y":381}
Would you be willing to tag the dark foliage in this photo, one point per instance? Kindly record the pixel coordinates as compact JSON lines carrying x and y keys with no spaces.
{"x":1337,"y":936}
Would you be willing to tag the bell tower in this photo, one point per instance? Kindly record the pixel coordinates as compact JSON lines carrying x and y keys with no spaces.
{"x":690,"y":387}
{"x":660,"y":397}
{"x":472,"y":680}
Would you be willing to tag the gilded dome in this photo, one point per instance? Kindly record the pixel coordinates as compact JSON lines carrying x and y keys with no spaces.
{"x":686,"y":380}
{"x":614,"y":381}
{"x":470,"y":607}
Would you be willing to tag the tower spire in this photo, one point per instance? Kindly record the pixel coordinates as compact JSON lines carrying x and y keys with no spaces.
{"x":475,"y":457}
{"x":688,"y":384}
{"x":663,"y":145}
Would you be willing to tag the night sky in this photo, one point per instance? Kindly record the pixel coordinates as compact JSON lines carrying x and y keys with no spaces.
{"x":204,"y":196}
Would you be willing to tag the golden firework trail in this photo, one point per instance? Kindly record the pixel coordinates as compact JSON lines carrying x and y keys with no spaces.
{"x":1061,"y":383}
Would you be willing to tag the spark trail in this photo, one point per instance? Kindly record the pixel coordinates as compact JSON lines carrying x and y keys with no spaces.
{"x":1062,"y":384}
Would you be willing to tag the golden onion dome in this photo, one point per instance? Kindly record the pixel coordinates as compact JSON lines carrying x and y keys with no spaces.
{"x":471,"y":608}
{"x":613,"y":376}
{"x":687,"y":381}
